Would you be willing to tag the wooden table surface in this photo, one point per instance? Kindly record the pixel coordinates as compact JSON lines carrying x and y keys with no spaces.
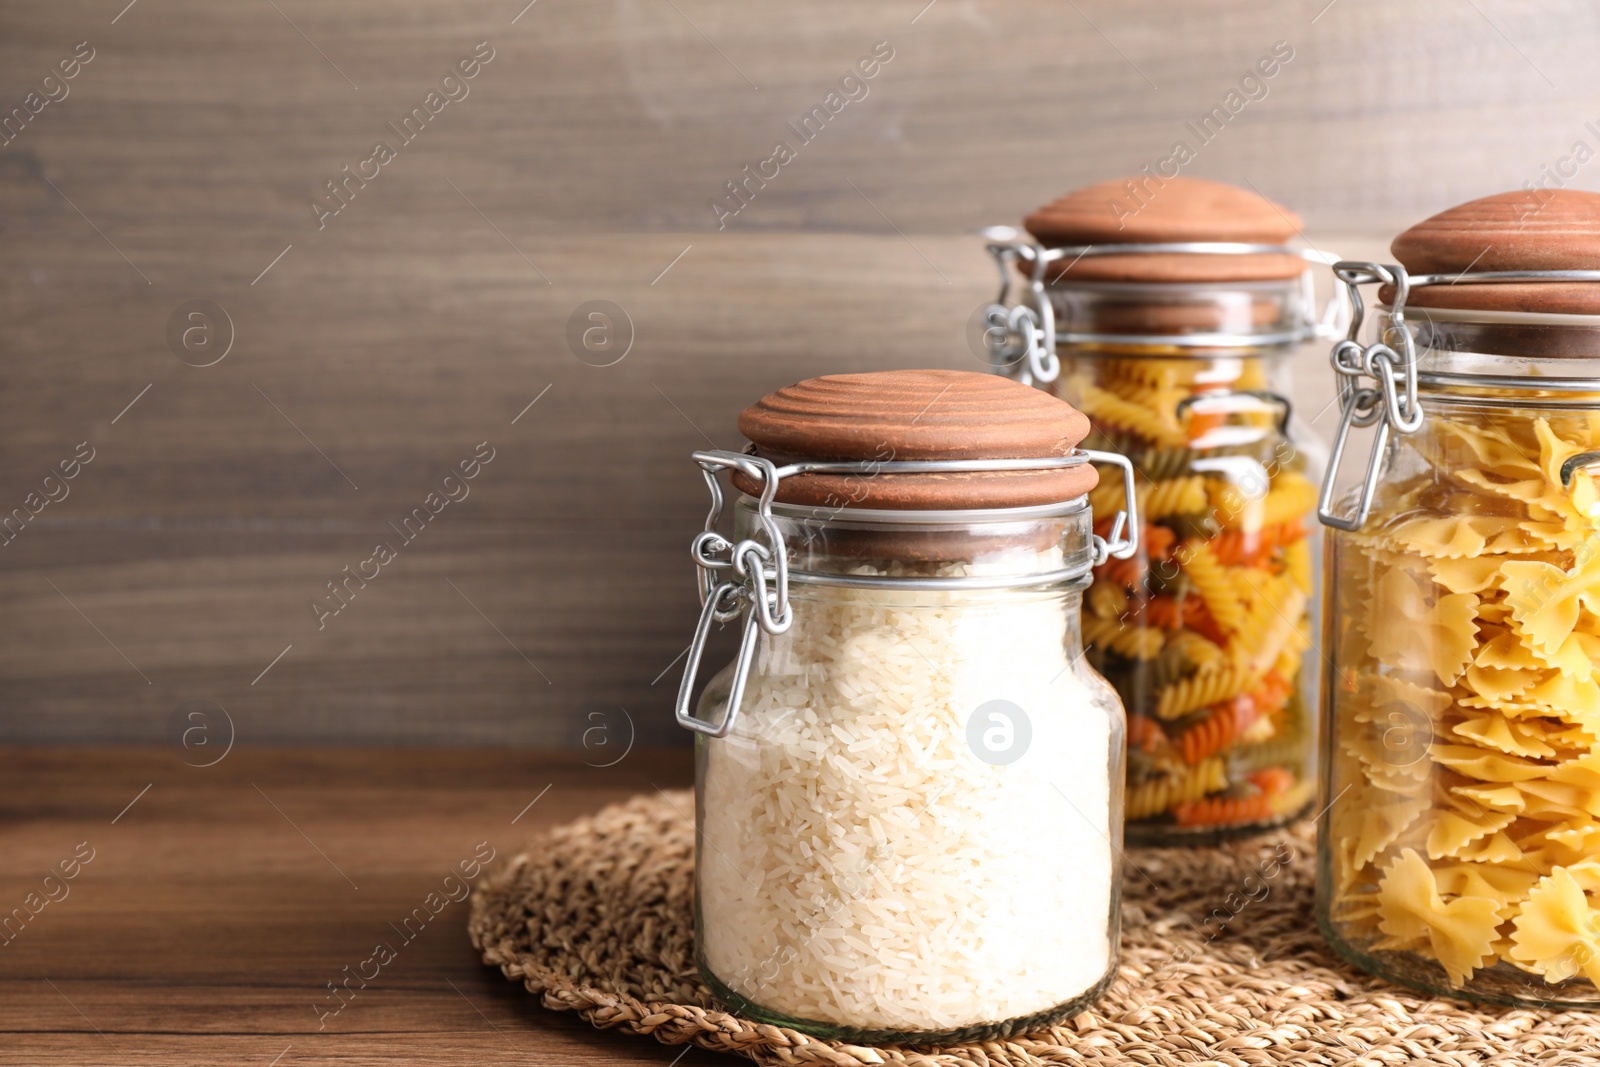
{"x":219,"y":904}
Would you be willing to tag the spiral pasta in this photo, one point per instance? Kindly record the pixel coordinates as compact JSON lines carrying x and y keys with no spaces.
{"x":1107,"y":600}
{"x":1157,"y":500}
{"x":1213,"y":733}
{"x":1108,"y":408}
{"x":1135,"y":642}
{"x":1199,"y":690}
{"x":1226,"y":591}
{"x":1238,"y":547}
{"x":1145,"y":734}
{"x":1214,"y":586}
{"x":1175,"y":786}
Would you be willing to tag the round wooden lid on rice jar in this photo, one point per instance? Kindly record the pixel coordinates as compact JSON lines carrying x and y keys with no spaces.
{"x":1528,"y":229}
{"x":1146,"y":209}
{"x":885,"y":416}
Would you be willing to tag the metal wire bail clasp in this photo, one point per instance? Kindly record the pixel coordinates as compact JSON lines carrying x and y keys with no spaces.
{"x":1122,"y":540}
{"x":1021,"y":339}
{"x":750,"y":578}
{"x":1390,"y":401}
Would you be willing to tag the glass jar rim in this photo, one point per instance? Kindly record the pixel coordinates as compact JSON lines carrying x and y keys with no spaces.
{"x":909,"y":517}
{"x":1476,"y":316}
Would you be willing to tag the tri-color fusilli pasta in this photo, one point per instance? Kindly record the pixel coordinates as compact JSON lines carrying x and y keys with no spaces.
{"x":1224,"y":583}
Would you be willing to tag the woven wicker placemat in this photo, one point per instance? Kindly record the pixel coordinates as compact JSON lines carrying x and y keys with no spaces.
{"x":596,"y":917}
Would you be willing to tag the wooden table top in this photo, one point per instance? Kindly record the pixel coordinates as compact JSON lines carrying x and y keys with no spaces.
{"x":219,"y":902}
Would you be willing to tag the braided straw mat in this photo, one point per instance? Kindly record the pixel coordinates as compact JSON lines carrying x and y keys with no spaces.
{"x":596,"y":917}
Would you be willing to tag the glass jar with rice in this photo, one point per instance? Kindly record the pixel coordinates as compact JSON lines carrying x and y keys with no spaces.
{"x":908,"y":784}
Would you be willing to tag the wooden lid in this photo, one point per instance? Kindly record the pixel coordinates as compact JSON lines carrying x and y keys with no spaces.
{"x":912,"y":415}
{"x":1530,"y":229}
{"x":1153,"y":210}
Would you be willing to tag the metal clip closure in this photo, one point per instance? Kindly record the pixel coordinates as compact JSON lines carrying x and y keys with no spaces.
{"x":1123,"y":540}
{"x":1390,"y":401}
{"x":1025,"y":345}
{"x":759,"y":588}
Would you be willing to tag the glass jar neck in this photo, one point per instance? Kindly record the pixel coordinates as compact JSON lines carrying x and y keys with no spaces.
{"x":1536,"y":357}
{"x":1256,"y":316}
{"x":1000,"y":548}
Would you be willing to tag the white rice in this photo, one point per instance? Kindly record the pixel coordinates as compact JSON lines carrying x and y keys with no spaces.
{"x":860,"y":866}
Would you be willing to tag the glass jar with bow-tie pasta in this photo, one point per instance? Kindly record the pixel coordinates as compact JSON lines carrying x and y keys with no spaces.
{"x":1460,"y":836}
{"x":909,"y":781}
{"x":1168,"y":312}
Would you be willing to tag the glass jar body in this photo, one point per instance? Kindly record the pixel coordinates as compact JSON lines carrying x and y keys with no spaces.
{"x":1460,"y":849}
{"x":910,"y":834}
{"x":1207,"y":633}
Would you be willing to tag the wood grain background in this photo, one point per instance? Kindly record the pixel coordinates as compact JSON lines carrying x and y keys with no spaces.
{"x":378,"y":351}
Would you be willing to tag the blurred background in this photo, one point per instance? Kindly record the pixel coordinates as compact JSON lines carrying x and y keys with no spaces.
{"x":275,"y":341}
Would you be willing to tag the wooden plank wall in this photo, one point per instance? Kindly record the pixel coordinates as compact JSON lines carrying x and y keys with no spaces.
{"x":374,"y":349}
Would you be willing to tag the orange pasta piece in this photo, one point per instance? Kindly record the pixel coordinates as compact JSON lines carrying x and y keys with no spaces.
{"x":1158,"y":541}
{"x":1224,"y":810}
{"x":1235,"y":548}
{"x":1128,"y":573}
{"x":1209,"y":736}
{"x":1198,"y":424}
{"x":1198,"y":618}
{"x":1217,"y":731}
{"x":1145,"y":733}
{"x":1163,"y":612}
{"x":1273,"y":692}
{"x":1272,"y":781}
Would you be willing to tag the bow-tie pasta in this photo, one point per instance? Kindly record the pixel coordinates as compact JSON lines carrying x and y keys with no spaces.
{"x":1465,"y":837}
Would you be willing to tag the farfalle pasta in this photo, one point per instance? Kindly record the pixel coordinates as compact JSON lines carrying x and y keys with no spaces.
{"x":1206,"y":634}
{"x":1463,"y":834}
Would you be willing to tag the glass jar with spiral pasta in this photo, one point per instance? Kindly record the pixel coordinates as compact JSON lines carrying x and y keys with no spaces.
{"x":1175,"y":321}
{"x":1460,"y":846}
{"x":909,"y":782}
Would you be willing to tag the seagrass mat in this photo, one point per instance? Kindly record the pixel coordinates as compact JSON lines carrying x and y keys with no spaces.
{"x":1221,"y":963}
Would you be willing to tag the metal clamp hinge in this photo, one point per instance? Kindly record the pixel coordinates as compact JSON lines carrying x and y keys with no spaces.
{"x":1021,"y":339}
{"x":1390,"y":401}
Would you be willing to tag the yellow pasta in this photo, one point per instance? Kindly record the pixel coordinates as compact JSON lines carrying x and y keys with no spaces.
{"x":1135,"y":642}
{"x":1198,"y":650}
{"x":1157,"y":500}
{"x":1177,"y":785}
{"x":1180,"y":496}
{"x":1297,"y":564}
{"x":1460,"y":933}
{"x":1108,"y":600}
{"x":1211,"y":581}
{"x":1202,"y":690}
{"x":1468,"y":746}
{"x":1557,"y":932}
{"x":1158,"y":374}
{"x":1291,"y":497}
{"x":1107,"y":408}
